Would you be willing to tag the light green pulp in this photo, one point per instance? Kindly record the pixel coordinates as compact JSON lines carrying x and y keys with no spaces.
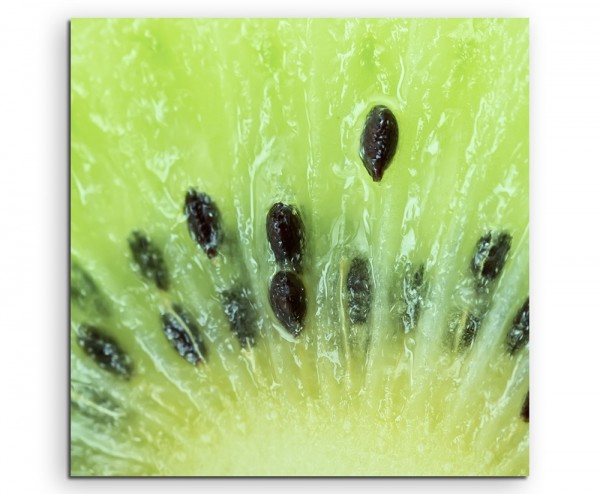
{"x":258,"y":111}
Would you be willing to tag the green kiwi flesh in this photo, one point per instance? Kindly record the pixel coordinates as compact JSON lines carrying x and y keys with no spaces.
{"x":412,"y":355}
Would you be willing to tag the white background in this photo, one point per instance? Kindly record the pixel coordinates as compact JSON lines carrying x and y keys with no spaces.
{"x":565,"y":253}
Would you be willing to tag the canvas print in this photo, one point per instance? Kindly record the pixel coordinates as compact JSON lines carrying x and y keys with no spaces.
{"x":299,"y":247}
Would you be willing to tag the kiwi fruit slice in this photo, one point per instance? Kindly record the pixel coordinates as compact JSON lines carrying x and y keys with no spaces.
{"x":299,"y":247}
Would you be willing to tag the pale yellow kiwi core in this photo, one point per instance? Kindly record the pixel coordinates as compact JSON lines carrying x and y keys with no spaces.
{"x":254,"y":112}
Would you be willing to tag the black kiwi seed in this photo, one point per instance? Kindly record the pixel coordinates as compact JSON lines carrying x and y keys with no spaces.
{"x":184,"y":335}
{"x":518,"y":336}
{"x":288,"y":301}
{"x":490,"y":255}
{"x":463,"y":329}
{"x":412,"y":288}
{"x":86,"y":294}
{"x":104,"y":350}
{"x":241,"y":315}
{"x":470,"y":330}
{"x":204,"y":221}
{"x":149,"y":259}
{"x":359,"y":286}
{"x":95,"y":404}
{"x":285,"y":232}
{"x":378,"y":141}
{"x":525,"y":409}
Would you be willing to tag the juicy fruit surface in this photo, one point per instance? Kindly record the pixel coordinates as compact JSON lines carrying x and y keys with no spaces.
{"x":257,"y":112}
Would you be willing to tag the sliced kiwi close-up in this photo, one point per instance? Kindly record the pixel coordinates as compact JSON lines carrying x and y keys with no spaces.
{"x":299,"y":247}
